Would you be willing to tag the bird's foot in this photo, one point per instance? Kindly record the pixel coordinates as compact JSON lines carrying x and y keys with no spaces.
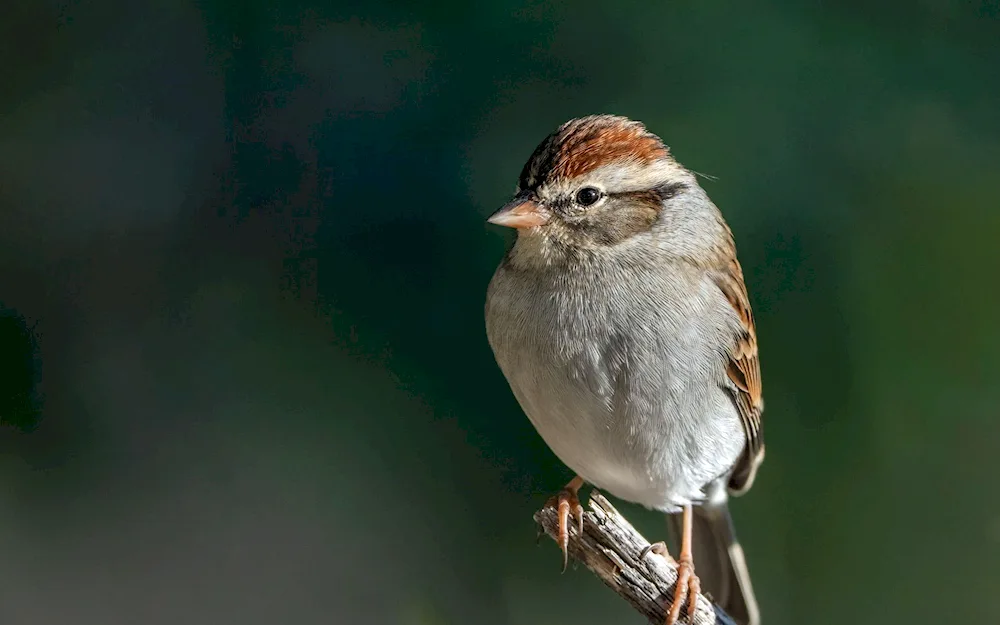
{"x":688,"y":585}
{"x":659,"y":549}
{"x":567,"y":502}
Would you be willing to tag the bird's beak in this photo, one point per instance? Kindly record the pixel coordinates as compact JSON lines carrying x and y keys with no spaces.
{"x":521,"y":212}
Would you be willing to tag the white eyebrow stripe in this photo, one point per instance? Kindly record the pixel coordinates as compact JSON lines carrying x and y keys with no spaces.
{"x":624,"y":176}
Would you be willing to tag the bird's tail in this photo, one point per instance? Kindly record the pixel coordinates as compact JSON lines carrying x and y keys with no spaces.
{"x":718,"y":557}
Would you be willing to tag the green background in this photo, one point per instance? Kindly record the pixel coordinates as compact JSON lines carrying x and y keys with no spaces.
{"x":243,"y":260}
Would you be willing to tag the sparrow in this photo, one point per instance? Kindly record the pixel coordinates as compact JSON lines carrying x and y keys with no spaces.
{"x":621,"y":321}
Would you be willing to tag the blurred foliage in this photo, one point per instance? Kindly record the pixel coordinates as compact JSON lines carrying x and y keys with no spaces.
{"x":19,"y":403}
{"x":248,"y":238}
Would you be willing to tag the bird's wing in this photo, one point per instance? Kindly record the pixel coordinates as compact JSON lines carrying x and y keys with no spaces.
{"x":743,"y":369}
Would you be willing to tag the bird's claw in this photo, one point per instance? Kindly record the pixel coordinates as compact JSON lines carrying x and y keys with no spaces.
{"x":567,"y":502}
{"x":659,"y":549}
{"x":688,"y":587}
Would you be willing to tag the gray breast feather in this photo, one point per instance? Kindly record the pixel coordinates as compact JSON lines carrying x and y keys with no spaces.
{"x":622,"y":378}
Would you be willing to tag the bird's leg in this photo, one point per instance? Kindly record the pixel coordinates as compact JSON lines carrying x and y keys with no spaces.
{"x":565,"y":502}
{"x":688,"y":584}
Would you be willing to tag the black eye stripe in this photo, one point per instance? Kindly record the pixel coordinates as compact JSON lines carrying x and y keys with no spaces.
{"x":664,"y":192}
{"x":564,"y":203}
{"x":561,"y":203}
{"x":670,"y":190}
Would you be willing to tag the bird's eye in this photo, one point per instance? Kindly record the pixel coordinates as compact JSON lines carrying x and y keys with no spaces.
{"x":587,"y":196}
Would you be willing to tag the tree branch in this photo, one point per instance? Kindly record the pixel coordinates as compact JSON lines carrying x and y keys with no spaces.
{"x":610,"y":547}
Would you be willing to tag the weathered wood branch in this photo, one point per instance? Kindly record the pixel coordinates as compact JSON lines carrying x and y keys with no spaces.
{"x":610,"y":547}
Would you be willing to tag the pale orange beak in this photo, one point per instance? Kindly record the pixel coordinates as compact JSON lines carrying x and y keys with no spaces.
{"x":521,"y":212}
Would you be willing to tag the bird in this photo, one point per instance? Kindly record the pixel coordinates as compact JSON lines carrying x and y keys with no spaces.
{"x":621,"y":321}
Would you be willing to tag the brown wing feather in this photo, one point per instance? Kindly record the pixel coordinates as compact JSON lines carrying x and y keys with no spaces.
{"x":744,"y":371}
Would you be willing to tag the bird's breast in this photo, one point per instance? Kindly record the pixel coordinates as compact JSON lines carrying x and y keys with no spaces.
{"x":619,"y":377}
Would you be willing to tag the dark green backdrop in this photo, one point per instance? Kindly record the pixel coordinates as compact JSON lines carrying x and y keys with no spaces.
{"x":243,"y":259}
